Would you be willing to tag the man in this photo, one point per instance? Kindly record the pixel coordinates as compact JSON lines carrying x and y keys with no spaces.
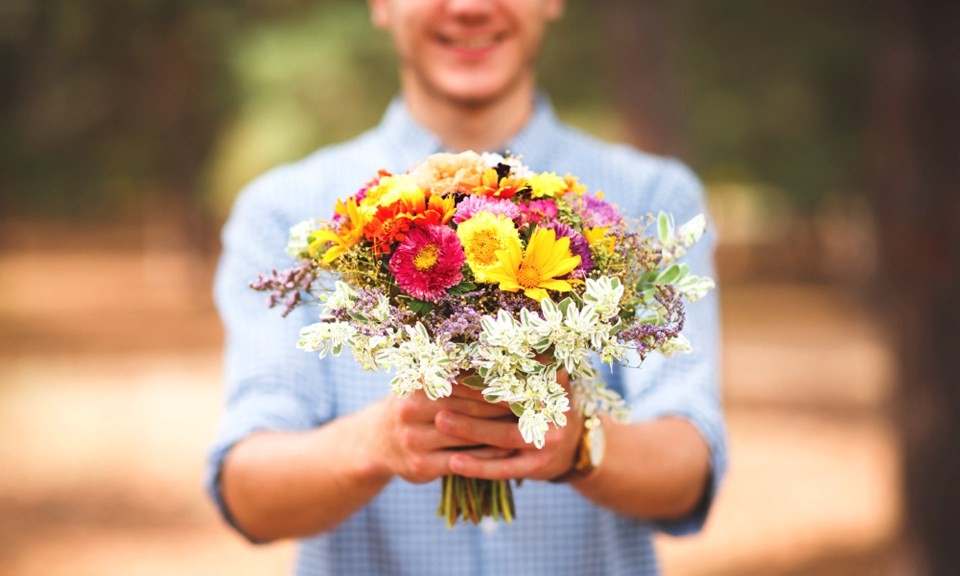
{"x":319,"y":450}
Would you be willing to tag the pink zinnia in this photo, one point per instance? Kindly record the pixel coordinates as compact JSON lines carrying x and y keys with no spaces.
{"x":469,"y":206}
{"x":537,"y":211}
{"x":428,"y":261}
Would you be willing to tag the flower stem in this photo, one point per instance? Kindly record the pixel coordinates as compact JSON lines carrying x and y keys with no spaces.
{"x":475,"y":499}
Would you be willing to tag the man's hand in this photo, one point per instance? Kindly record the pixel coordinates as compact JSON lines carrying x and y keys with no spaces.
{"x":526,"y":460}
{"x":408,"y":443}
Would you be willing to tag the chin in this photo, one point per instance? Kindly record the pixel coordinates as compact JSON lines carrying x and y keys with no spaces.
{"x":472,"y":91}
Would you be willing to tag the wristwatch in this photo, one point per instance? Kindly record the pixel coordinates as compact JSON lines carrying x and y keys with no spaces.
{"x":589,"y":452}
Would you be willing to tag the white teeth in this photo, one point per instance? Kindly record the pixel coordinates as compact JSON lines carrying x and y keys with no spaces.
{"x":474,"y":43}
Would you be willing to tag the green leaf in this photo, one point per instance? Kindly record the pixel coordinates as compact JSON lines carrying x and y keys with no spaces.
{"x":517,"y":409}
{"x":664,"y":227}
{"x":475,"y":382}
{"x":669,"y":275}
{"x":576,"y":298}
{"x":420,"y":307}
{"x":565,"y":304}
{"x":462,"y":288}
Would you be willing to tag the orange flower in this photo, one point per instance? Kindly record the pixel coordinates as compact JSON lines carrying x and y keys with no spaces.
{"x":431,"y":209}
{"x":388,"y":225}
{"x":492,"y":185}
{"x":391,"y":223}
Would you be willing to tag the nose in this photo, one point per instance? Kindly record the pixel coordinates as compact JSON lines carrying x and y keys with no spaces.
{"x":470,"y":8}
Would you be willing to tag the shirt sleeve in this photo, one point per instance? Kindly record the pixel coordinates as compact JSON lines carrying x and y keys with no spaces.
{"x":269,"y":383}
{"x":686,"y":385}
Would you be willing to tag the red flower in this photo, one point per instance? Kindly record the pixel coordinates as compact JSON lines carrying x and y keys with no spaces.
{"x":428,"y":262}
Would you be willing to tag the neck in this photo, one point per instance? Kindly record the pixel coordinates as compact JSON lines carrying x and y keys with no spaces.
{"x":480,"y":126}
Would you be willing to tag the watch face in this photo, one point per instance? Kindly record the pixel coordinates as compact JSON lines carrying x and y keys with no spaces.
{"x":598,"y":445}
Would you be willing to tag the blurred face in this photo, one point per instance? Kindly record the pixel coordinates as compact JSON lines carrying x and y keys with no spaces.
{"x":466,"y":51}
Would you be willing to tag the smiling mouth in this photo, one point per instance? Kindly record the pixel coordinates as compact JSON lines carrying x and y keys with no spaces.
{"x":476,"y":43}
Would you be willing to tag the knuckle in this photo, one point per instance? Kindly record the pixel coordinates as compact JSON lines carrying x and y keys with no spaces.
{"x":418,"y":469}
{"x":444,"y":422}
{"x":408,"y":439}
{"x":409,"y":410}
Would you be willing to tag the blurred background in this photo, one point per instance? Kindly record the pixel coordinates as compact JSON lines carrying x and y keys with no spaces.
{"x":129,"y":126}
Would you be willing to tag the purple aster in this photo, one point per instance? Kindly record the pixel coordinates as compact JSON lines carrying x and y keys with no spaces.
{"x":471,"y":205}
{"x":578,"y":246}
{"x":598,"y":212}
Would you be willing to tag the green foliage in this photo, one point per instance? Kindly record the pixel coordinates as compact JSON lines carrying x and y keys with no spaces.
{"x":113,"y":106}
{"x":319,"y":76}
{"x":777,"y":93}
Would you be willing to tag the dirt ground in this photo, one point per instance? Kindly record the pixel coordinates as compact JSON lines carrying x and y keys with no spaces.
{"x":109,"y":394}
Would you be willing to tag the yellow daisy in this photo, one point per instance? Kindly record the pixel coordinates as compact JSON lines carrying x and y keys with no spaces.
{"x":481,"y":237}
{"x":536,"y":270}
{"x":390,"y":189}
{"x":546,"y":185}
{"x":349,"y":235}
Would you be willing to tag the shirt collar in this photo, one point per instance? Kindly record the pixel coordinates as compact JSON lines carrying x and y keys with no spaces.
{"x":411,"y":142}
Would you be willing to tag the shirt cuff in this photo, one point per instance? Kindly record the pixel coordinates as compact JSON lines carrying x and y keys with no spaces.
{"x":252,"y":412}
{"x":706,"y":417}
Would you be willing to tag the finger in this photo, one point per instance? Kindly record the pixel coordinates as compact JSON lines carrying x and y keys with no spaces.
{"x":476,"y":408}
{"x":419,"y":468}
{"x":488,"y":452}
{"x":500,"y":433}
{"x":464,"y":391}
{"x":415,"y":408}
{"x":426,"y":438}
{"x":524,"y":464}
{"x":563,"y":378}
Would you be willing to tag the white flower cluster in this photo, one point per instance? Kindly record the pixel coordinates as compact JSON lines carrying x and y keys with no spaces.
{"x":592,"y":397}
{"x":343,"y":297}
{"x":420,"y":364}
{"x":506,"y":354}
{"x":300,"y":238}
{"x":517,"y":168}
{"x":518,"y":359}
{"x":326,"y":337}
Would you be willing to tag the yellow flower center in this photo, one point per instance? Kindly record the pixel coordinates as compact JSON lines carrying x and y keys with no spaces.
{"x":483,"y":247}
{"x":528,"y":276}
{"x":426,"y":257}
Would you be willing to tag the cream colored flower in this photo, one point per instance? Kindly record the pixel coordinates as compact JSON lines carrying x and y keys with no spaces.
{"x":443,"y":173}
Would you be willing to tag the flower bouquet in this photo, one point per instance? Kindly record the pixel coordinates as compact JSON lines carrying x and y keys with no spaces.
{"x":472,"y":264}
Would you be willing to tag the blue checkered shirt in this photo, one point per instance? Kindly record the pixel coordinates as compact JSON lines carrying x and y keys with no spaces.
{"x":270,"y":385}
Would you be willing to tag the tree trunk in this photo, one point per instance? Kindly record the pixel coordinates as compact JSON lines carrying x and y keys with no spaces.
{"x":915,"y":191}
{"x":644,"y":82}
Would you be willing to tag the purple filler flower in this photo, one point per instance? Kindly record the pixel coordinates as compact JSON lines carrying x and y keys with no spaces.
{"x":598,"y":212}
{"x":578,"y":246}
{"x":469,"y":207}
